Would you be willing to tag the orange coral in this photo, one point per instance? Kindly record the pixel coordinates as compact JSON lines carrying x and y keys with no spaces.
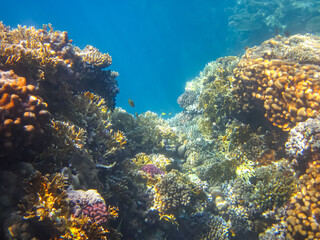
{"x":290,"y":91}
{"x":22,"y":113}
{"x":303,"y":217}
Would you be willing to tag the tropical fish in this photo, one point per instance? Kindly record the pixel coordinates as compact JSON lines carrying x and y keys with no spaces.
{"x":163,"y":114}
{"x":89,"y":95}
{"x":131,"y":103}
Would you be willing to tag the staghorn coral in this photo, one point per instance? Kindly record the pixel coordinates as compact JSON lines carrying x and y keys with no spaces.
{"x":303,"y":213}
{"x":283,"y":75}
{"x":23,"y":114}
{"x":94,"y":57}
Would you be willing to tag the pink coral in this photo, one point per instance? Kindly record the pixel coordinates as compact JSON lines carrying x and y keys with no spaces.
{"x":97,"y":212}
{"x":152,"y":170}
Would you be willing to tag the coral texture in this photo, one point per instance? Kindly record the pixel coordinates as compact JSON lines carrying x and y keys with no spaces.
{"x":303,"y":214}
{"x":23,"y":113}
{"x":284,"y":74}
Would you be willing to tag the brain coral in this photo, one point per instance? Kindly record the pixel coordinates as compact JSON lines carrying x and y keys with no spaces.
{"x":283,"y":73}
{"x":22,"y":113}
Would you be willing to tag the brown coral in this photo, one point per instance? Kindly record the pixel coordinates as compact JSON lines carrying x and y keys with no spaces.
{"x":22,"y":113}
{"x":303,"y":217}
{"x":289,"y":87}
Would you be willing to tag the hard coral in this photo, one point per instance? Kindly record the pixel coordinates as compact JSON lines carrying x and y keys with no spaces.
{"x":48,"y":55}
{"x":172,"y":194}
{"x":304,"y":140}
{"x":282,"y":74}
{"x":90,"y":204}
{"x":152,"y":170}
{"x":303,"y":215}
{"x":57,"y":213}
{"x":94,"y":57}
{"x":22,"y":112}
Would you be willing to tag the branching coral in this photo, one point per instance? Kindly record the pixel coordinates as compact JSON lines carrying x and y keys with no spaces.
{"x":216,"y":99}
{"x":172,"y":194}
{"x":48,"y":206}
{"x":246,"y":200}
{"x":48,"y":59}
{"x":94,"y":57}
{"x":91,"y":113}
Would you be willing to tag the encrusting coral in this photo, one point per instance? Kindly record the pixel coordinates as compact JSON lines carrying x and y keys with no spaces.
{"x":284,"y":74}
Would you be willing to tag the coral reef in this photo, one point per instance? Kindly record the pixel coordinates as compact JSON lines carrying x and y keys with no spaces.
{"x":46,"y":208}
{"x":303,"y":212}
{"x":23,"y":113}
{"x":152,"y":170}
{"x":217,"y":170}
{"x":253,"y":21}
{"x":245,"y":201}
{"x":47,"y":58}
{"x":90,"y":204}
{"x":147,"y":133}
{"x":94,"y":57}
{"x":283,"y":75}
{"x":303,"y":141}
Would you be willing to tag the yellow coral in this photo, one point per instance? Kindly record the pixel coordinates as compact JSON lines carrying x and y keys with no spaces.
{"x":290,"y":91}
{"x":28,"y":44}
{"x":303,"y":216}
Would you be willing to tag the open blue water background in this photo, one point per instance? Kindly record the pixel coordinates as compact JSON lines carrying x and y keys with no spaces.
{"x":156,"y":45}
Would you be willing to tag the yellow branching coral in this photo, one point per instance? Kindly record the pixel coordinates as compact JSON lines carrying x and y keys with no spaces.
{"x":73,"y":134}
{"x":26,"y":45}
{"x":94,"y":57}
{"x":49,"y":203}
{"x":158,"y":160}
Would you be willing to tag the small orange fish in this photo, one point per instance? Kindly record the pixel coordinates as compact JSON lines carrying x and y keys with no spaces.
{"x":131,"y":103}
{"x":89,"y":95}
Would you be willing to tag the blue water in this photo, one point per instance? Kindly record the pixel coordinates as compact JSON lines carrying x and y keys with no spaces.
{"x":156,"y":46}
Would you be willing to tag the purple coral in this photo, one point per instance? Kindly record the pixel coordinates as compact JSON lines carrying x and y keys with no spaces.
{"x":152,"y":170}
